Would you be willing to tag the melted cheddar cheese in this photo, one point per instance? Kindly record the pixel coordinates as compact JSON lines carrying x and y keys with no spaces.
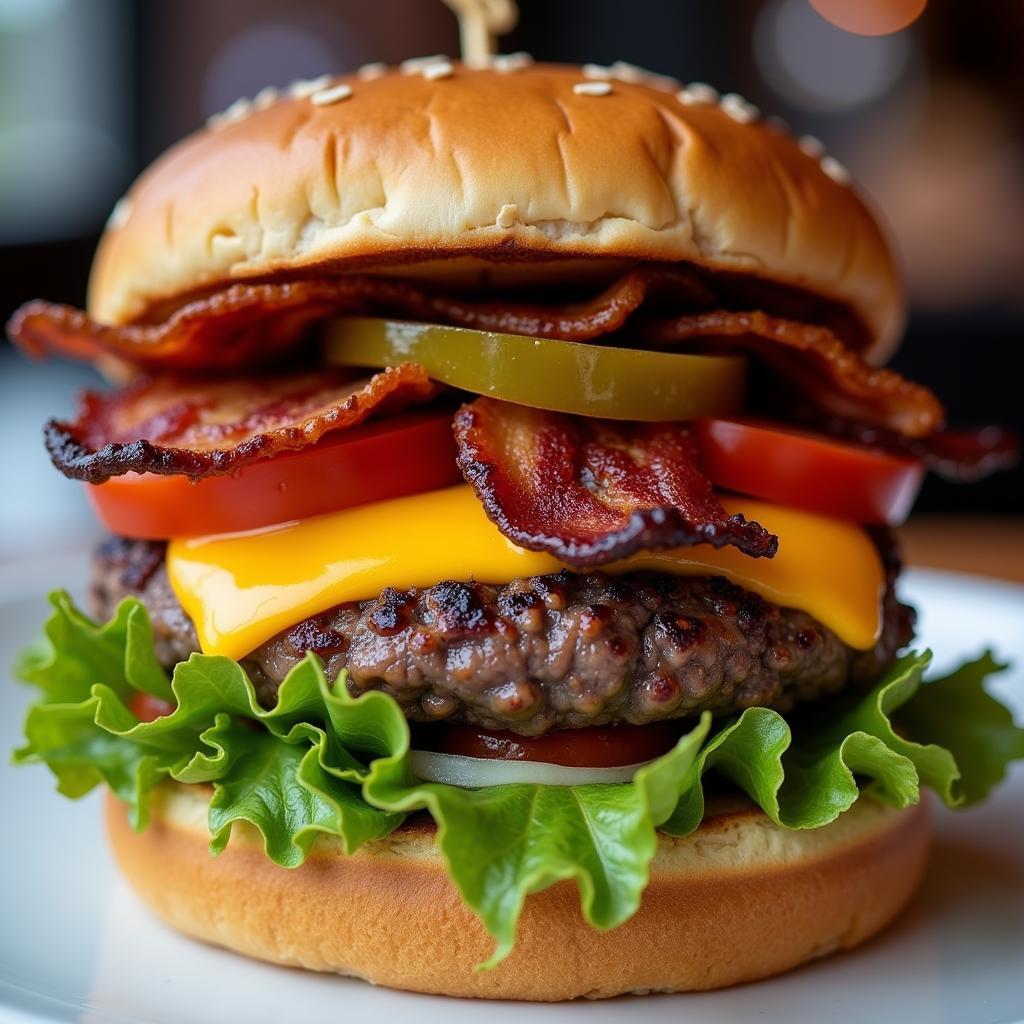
{"x":242,"y":589}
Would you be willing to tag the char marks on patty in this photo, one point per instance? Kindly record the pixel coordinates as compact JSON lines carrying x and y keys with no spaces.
{"x":560,"y":651}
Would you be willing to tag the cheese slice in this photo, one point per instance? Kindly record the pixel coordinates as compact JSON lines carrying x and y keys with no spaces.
{"x":242,"y":589}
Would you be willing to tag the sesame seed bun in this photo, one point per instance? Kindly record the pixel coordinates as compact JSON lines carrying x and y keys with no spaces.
{"x":507,"y":165}
{"x":740,"y":900}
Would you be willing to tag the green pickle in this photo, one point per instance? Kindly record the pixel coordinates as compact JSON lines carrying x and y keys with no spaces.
{"x":562,"y":376}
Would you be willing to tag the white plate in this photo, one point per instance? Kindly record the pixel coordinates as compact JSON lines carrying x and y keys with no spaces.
{"x":74,"y":945}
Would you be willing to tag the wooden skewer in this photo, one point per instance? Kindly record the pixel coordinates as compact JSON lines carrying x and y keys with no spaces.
{"x":480,"y":24}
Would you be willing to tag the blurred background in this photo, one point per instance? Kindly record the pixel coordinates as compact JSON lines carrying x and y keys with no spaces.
{"x":928,"y":115}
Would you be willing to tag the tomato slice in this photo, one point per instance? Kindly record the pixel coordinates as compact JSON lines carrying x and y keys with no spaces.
{"x":373,"y":462}
{"x":598,"y":746}
{"x":808,"y":471}
{"x":147,"y":708}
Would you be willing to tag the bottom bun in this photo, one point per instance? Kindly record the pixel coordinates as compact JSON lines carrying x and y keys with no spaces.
{"x":738,"y":900}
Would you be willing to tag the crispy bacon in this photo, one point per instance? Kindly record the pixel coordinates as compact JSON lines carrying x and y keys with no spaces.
{"x":169,"y":425}
{"x":811,"y":363}
{"x":965,"y":456}
{"x":593,"y":491}
{"x":249,"y":324}
{"x":961,"y":455}
{"x":242,"y":327}
{"x":812,"y":376}
{"x":582,"y":321}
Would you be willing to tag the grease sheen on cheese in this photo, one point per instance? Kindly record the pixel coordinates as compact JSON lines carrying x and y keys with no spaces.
{"x":242,"y":589}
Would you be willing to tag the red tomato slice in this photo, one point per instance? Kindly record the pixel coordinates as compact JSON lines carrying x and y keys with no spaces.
{"x":598,"y":746}
{"x":807,"y":471}
{"x":373,"y":462}
{"x":147,"y":708}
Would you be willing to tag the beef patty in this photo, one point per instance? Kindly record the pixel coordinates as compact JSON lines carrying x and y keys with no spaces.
{"x":548,"y":652}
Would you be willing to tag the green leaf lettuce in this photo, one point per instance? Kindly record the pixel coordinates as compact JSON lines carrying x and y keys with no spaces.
{"x":323,"y":762}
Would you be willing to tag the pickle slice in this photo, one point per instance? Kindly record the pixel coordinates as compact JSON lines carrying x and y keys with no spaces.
{"x":562,"y":376}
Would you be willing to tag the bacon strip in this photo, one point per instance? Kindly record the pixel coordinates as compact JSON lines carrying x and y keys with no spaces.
{"x":961,"y":455}
{"x":242,"y":327}
{"x":582,"y":321}
{"x":593,"y":491}
{"x":169,"y":426}
{"x":256,"y":323}
{"x":814,"y":378}
{"x":965,"y":456}
{"x":812,"y":363}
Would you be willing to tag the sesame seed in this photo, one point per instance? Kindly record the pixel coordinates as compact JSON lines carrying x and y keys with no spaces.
{"x":266,"y":97}
{"x":592,"y":88}
{"x":505,"y":62}
{"x":637,"y":75}
{"x":416,"y":64}
{"x":325,"y":97}
{"x":666,"y":83}
{"x":305,"y":87}
{"x":835,"y":170}
{"x":120,"y":214}
{"x":629,"y":72}
{"x":599,"y":71}
{"x":738,"y":108}
{"x":698,"y":94}
{"x":440,"y":70}
{"x":507,"y":215}
{"x":238,"y":111}
{"x":376,"y":69}
{"x":813,"y":147}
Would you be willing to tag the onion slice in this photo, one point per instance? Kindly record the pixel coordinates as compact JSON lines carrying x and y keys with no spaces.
{"x":478,"y":772}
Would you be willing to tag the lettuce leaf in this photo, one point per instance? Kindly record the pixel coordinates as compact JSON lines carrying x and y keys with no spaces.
{"x":84,"y":731}
{"x":504,"y":842}
{"x":973,"y":727}
{"x":321,"y":762}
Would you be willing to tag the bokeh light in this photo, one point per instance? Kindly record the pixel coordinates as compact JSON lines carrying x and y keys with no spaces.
{"x":63,"y":149}
{"x":816,"y":66}
{"x":870,"y":17}
{"x":25,"y":15}
{"x":949,"y":184}
{"x":55,"y":177}
{"x":270,"y":53}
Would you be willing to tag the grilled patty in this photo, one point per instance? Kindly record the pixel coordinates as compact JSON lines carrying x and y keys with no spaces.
{"x":547,"y":652}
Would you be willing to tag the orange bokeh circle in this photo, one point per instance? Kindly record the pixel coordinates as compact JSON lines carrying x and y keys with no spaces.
{"x":870,"y":17}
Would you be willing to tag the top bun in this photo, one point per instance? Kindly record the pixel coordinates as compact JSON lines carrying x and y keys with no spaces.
{"x":508,"y":163}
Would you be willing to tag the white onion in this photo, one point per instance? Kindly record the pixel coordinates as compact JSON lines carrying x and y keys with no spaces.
{"x":476,"y":772}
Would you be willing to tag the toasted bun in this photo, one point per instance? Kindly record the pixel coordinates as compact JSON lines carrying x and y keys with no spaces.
{"x":741,"y":899}
{"x":493,"y":165}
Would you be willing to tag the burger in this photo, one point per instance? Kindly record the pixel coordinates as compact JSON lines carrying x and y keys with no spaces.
{"x":500,"y":596}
